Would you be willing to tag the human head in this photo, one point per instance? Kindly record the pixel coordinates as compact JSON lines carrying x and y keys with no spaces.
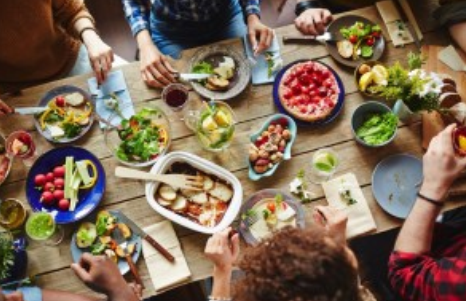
{"x":299,"y":265}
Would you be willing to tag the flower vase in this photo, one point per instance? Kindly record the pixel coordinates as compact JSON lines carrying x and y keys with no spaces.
{"x":404,"y":113}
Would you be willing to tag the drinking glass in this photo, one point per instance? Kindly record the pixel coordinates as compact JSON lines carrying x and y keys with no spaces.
{"x":29,"y":155}
{"x":175,"y":96}
{"x":41,"y":226}
{"x":324,"y":164}
{"x":12,"y":213}
{"x":213,"y":123}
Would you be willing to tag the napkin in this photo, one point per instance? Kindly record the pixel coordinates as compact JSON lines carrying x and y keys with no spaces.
{"x":163,"y":273}
{"x":116,"y":84}
{"x":450,"y":57}
{"x":260,"y":69}
{"x":391,"y":16}
{"x":360,"y":220}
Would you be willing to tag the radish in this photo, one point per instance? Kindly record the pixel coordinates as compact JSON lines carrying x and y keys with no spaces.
{"x":59,"y":183}
{"x":40,"y":180}
{"x":59,"y":172}
{"x":64,"y":204}
{"x":49,"y":177}
{"x":58,"y":194}
{"x":49,"y":186}
{"x":47,"y":198}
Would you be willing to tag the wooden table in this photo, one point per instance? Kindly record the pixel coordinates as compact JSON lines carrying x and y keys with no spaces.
{"x":252,"y":108}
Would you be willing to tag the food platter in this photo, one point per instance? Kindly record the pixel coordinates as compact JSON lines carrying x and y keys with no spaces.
{"x":256,"y":202}
{"x":213,"y":55}
{"x":5,"y":161}
{"x":395,"y":182}
{"x":347,"y":21}
{"x":133,"y":239}
{"x":89,"y":199}
{"x":76,"y":122}
{"x":334,"y":113}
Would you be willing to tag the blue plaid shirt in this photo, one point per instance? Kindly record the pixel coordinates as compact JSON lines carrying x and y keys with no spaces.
{"x":137,"y":11}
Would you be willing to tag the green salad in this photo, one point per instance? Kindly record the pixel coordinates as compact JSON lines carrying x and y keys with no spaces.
{"x":142,"y":138}
{"x":378,"y":128}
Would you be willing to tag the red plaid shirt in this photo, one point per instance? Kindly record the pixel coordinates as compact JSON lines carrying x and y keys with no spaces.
{"x":439,"y":275}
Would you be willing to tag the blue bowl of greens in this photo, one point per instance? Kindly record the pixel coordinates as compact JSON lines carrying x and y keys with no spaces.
{"x":140,"y":139}
{"x":374,"y":124}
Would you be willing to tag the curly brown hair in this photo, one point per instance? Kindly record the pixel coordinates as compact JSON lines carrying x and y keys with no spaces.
{"x":298,"y":265}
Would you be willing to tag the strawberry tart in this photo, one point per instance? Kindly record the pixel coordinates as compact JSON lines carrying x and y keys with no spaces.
{"x":309,"y":91}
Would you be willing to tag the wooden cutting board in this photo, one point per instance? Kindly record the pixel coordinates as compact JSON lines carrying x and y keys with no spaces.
{"x":432,"y":123}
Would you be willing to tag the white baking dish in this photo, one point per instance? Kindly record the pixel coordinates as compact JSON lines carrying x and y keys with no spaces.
{"x":164,"y":163}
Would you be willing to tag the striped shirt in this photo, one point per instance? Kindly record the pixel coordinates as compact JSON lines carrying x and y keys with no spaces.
{"x":137,"y":11}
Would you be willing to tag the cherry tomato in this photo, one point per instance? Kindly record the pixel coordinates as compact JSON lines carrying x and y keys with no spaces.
{"x":353,"y":39}
{"x":40,"y":180}
{"x":271,"y":207}
{"x":370,"y":41}
{"x":47,"y":198}
{"x":64,"y":204}
{"x":376,"y":34}
{"x":49,"y":177}
{"x":59,"y":171}
{"x":60,"y":101}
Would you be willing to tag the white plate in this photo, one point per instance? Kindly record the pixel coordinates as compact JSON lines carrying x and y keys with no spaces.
{"x":161,"y":167}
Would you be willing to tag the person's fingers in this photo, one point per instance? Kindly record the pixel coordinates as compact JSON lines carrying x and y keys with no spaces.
{"x":327,"y":16}
{"x":168,"y":65}
{"x":162,"y":69}
{"x":262,"y":41}
{"x":103,"y":68}
{"x":86,"y":259}
{"x":326,"y":211}
{"x":81,"y":272}
{"x":235,"y":246}
{"x":447,"y":134}
{"x":270,"y":39}
{"x":253,"y":39}
{"x":151,"y":81}
{"x":4,"y":108}
{"x":317,"y":217}
{"x":97,"y":70}
{"x":157,"y":75}
{"x":318,"y":23}
{"x":310,"y":28}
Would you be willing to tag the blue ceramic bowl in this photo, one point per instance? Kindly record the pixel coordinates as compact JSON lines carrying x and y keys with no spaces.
{"x":286,"y":155}
{"x":89,"y":199}
{"x":360,"y":115}
{"x":336,"y":111}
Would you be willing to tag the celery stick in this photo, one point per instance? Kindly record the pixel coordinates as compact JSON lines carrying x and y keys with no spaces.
{"x":83,"y":172}
{"x":76,"y":182}
{"x":69,"y":166}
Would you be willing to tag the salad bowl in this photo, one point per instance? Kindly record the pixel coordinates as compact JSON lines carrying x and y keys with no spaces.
{"x":125,"y":132}
{"x":253,"y":175}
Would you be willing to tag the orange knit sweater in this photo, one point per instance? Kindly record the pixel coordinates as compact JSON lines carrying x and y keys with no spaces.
{"x":38,"y":42}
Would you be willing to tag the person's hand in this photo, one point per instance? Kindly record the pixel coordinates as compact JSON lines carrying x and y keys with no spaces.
{"x":14,"y":296}
{"x":100,"y":54}
{"x":137,"y":289}
{"x":102,"y":275}
{"x":222,"y":250}
{"x":5,"y":109}
{"x":260,"y":36}
{"x":441,"y":165}
{"x":313,"y":21}
{"x":333,"y":220}
{"x":156,"y":71}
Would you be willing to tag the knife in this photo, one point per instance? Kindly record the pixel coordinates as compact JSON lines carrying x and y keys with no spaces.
{"x":326,"y":37}
{"x":192,"y":76}
{"x":407,"y":23}
{"x":147,"y":237}
{"x":30,"y":110}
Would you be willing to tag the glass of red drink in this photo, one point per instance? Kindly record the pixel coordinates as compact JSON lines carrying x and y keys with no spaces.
{"x":20,"y":145}
{"x":175,"y":96}
{"x":459,"y":140}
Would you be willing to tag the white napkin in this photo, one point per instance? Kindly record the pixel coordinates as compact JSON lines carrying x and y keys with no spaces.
{"x":163,"y":273}
{"x":360,"y":220}
{"x":259,"y":65}
{"x":115,"y":83}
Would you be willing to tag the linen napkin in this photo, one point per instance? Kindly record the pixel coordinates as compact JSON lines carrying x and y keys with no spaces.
{"x":259,"y":64}
{"x":116,"y":84}
{"x":360,"y":220}
{"x":391,"y":17}
{"x":163,"y":273}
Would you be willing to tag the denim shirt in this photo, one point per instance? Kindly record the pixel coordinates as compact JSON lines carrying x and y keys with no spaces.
{"x":138,"y":12}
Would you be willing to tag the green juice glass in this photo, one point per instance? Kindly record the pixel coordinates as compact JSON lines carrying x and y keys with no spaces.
{"x":324,"y":164}
{"x":41,"y":226}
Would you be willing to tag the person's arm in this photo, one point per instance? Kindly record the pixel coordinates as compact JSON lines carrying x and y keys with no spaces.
{"x":260,"y":35}
{"x":78,"y":22}
{"x":458,"y":33}
{"x":223,"y":252}
{"x":4,"y":109}
{"x":102,"y":275}
{"x":312,"y":17}
{"x":52,"y":295}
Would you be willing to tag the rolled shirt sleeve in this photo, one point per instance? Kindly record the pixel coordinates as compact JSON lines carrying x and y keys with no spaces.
{"x":67,"y":12}
{"x":251,"y":7}
{"x":137,"y":15}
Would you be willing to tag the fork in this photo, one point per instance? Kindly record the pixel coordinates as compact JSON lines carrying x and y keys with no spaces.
{"x":123,"y":244}
{"x":174,"y":180}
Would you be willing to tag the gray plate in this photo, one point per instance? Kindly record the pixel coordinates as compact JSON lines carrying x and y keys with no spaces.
{"x":123,"y":266}
{"x":394,"y":183}
{"x":239,"y":82}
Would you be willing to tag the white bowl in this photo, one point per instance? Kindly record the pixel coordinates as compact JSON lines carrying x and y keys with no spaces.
{"x":164,"y":163}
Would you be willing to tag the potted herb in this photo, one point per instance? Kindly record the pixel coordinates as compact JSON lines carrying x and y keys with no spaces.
{"x":413,"y":89}
{"x":13,"y":258}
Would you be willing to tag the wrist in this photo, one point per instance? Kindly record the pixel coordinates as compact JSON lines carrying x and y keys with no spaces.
{"x":253,"y":18}
{"x":434,"y":192}
{"x":304,"y":5}
{"x":144,"y":39}
{"x":122,"y":293}
{"x":88,"y":35}
{"x":223,"y":270}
